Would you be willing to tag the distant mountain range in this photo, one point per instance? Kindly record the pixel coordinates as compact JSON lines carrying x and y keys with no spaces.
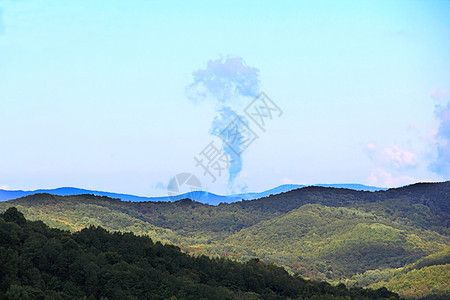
{"x":289,"y":187}
{"x":200,"y":196}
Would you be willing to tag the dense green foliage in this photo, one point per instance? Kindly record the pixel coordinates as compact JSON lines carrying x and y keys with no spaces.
{"x":340,"y":241}
{"x":428,"y":278}
{"x":430,"y":281}
{"x":319,"y":233}
{"x":37,"y":262}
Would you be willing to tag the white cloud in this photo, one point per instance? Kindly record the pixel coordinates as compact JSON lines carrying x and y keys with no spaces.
{"x":371,"y":150}
{"x":371,"y":147}
{"x":430,"y":133}
{"x":4,"y":187}
{"x":225,"y":80}
{"x":286,"y":180}
{"x":399,"y":157}
{"x":441,"y":163}
{"x":382,"y":178}
{"x":439,"y":93}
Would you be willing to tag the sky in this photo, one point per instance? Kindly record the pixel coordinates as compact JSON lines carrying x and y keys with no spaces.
{"x":123,"y":96}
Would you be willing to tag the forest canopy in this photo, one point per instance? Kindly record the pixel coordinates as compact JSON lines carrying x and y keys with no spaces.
{"x":38,"y":262}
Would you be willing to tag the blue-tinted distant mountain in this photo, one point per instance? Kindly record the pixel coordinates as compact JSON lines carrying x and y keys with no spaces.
{"x":213,"y":199}
{"x":279,"y":189}
{"x":206,"y":197}
{"x":68,"y":191}
{"x":289,"y":187}
{"x":353,"y":186}
{"x":200,"y":196}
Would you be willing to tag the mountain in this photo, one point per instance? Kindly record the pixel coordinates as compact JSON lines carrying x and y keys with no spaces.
{"x":289,"y":187}
{"x":353,"y":186}
{"x":321,"y":233}
{"x":37,"y":262}
{"x":68,"y":191}
{"x":200,"y":196}
{"x":277,"y":190}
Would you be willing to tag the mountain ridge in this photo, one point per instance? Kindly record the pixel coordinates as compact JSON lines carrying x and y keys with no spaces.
{"x":200,"y":196}
{"x":318,"y":232}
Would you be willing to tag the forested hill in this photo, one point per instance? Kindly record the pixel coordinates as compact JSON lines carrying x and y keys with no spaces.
{"x":37,"y":262}
{"x":426,"y":205}
{"x":318,"y":232}
{"x":434,"y":196}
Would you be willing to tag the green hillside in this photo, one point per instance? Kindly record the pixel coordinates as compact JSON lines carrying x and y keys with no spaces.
{"x":37,"y":262}
{"x":430,"y":281}
{"x":320,"y":233}
{"x":339,"y":241}
{"x":428,"y":277}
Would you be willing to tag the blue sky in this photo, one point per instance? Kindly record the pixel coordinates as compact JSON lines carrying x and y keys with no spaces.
{"x":117,"y":95}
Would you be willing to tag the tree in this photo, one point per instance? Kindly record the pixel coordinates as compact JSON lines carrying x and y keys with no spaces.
{"x":13,"y":215}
